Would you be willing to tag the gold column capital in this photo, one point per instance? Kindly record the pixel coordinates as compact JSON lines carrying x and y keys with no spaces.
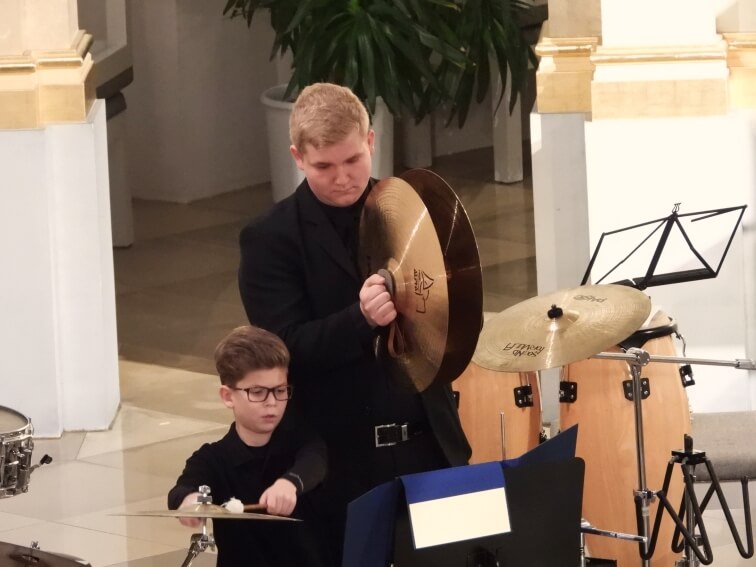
{"x":563,"y":78}
{"x":47,"y":86}
{"x":580,"y":75}
{"x":741,"y":60}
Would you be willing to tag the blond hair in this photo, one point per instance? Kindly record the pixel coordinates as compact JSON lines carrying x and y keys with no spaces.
{"x":324,"y":114}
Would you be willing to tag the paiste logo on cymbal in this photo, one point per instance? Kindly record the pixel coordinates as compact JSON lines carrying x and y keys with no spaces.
{"x":423,"y":285}
{"x":591,"y":298}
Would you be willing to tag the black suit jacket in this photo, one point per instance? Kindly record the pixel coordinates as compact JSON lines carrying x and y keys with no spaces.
{"x":297,"y":279}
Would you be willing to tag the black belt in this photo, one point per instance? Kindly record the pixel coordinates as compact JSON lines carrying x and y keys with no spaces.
{"x":393,"y":433}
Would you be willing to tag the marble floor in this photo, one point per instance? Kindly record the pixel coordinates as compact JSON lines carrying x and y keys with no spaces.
{"x":176,"y":298}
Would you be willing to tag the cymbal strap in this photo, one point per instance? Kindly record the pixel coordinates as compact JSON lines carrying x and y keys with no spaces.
{"x":388,"y":280}
{"x":395,"y":343}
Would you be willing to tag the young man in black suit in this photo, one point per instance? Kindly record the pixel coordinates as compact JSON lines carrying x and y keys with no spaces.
{"x":299,"y":278}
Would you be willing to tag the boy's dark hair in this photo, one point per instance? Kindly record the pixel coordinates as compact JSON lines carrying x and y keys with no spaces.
{"x":246,"y":349}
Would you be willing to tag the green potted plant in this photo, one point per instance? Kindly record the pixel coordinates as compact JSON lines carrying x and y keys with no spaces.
{"x":378,"y":48}
{"x":488,"y":32}
{"x":413,"y":55}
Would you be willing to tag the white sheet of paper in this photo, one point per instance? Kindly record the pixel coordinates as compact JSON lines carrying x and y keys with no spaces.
{"x":458,"y":518}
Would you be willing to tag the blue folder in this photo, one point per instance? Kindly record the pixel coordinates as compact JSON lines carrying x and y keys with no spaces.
{"x":369,"y":537}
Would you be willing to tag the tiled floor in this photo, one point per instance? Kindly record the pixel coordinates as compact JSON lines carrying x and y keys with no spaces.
{"x":176,"y":297}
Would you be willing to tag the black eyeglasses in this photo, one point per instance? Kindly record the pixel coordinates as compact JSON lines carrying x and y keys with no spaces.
{"x":261,"y":393}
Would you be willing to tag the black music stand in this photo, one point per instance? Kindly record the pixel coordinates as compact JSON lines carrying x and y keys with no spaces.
{"x":545,"y":503}
{"x":663,"y":228}
{"x":544,"y":493}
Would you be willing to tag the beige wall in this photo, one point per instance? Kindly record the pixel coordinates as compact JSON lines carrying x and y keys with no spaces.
{"x":735,"y":15}
{"x":196,"y":126}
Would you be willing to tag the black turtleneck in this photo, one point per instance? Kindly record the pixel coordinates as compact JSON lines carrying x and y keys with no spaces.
{"x":346,"y":221}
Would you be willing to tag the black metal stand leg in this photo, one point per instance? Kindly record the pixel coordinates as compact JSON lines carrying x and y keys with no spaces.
{"x":690,"y":514}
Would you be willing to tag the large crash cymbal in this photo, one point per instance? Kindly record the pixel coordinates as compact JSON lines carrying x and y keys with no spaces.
{"x":560,"y":328}
{"x":416,"y":229}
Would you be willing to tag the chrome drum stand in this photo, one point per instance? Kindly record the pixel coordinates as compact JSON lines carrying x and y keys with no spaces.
{"x":689,"y":519}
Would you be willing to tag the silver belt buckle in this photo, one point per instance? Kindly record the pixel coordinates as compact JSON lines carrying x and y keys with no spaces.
{"x":404,"y":431}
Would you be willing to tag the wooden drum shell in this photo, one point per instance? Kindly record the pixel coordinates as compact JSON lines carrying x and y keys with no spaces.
{"x":483,"y":396}
{"x":607,"y":443}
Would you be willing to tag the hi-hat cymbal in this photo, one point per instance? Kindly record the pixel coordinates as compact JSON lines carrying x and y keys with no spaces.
{"x":416,"y":229}
{"x":560,"y":328}
{"x":211,"y":511}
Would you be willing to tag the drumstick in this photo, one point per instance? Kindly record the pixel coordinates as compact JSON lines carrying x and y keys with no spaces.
{"x":254,"y":508}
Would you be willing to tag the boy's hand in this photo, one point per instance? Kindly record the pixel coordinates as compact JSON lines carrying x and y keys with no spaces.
{"x":188,"y":501}
{"x":375,"y":302}
{"x":280,"y":498}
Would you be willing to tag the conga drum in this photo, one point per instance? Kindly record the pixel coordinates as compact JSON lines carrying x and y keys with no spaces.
{"x":607,"y":441}
{"x":490,"y":401}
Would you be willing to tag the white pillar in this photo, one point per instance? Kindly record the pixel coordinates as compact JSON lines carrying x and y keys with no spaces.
{"x":57,"y":295}
{"x":507,"y":132}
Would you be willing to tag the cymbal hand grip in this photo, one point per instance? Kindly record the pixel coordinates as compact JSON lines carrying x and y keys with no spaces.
{"x":395,"y":340}
{"x":388,"y":279}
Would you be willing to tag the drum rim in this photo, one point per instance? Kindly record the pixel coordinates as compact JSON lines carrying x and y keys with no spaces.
{"x":21,"y":429}
{"x":643,"y":335}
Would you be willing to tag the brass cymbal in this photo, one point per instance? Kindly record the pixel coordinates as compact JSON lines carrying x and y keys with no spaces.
{"x":212,"y":511}
{"x":534,"y":335}
{"x":416,"y":229}
{"x":12,"y":554}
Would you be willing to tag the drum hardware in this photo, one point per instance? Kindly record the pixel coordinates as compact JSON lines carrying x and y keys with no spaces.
{"x":503,"y":431}
{"x":204,"y":509}
{"x":16,"y":447}
{"x":686,"y":370}
{"x":627,"y":387}
{"x":688,"y":458}
{"x":691,"y":513}
{"x":203,"y":540}
{"x":523,"y":396}
{"x":587,"y":528}
{"x":567,"y":392}
{"x":686,"y":375}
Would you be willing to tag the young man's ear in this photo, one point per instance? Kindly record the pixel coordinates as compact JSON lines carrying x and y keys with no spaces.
{"x":226,"y":396}
{"x":298,"y":159}
{"x":371,"y":141}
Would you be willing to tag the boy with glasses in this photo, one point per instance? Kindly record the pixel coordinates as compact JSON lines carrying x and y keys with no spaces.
{"x":257,"y":461}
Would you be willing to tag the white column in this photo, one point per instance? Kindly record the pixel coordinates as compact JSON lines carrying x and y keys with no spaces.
{"x":507,"y":133}
{"x":57,"y":296}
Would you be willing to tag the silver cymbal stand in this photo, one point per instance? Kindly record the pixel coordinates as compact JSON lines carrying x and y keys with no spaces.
{"x":636,"y":357}
{"x":203,"y":540}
